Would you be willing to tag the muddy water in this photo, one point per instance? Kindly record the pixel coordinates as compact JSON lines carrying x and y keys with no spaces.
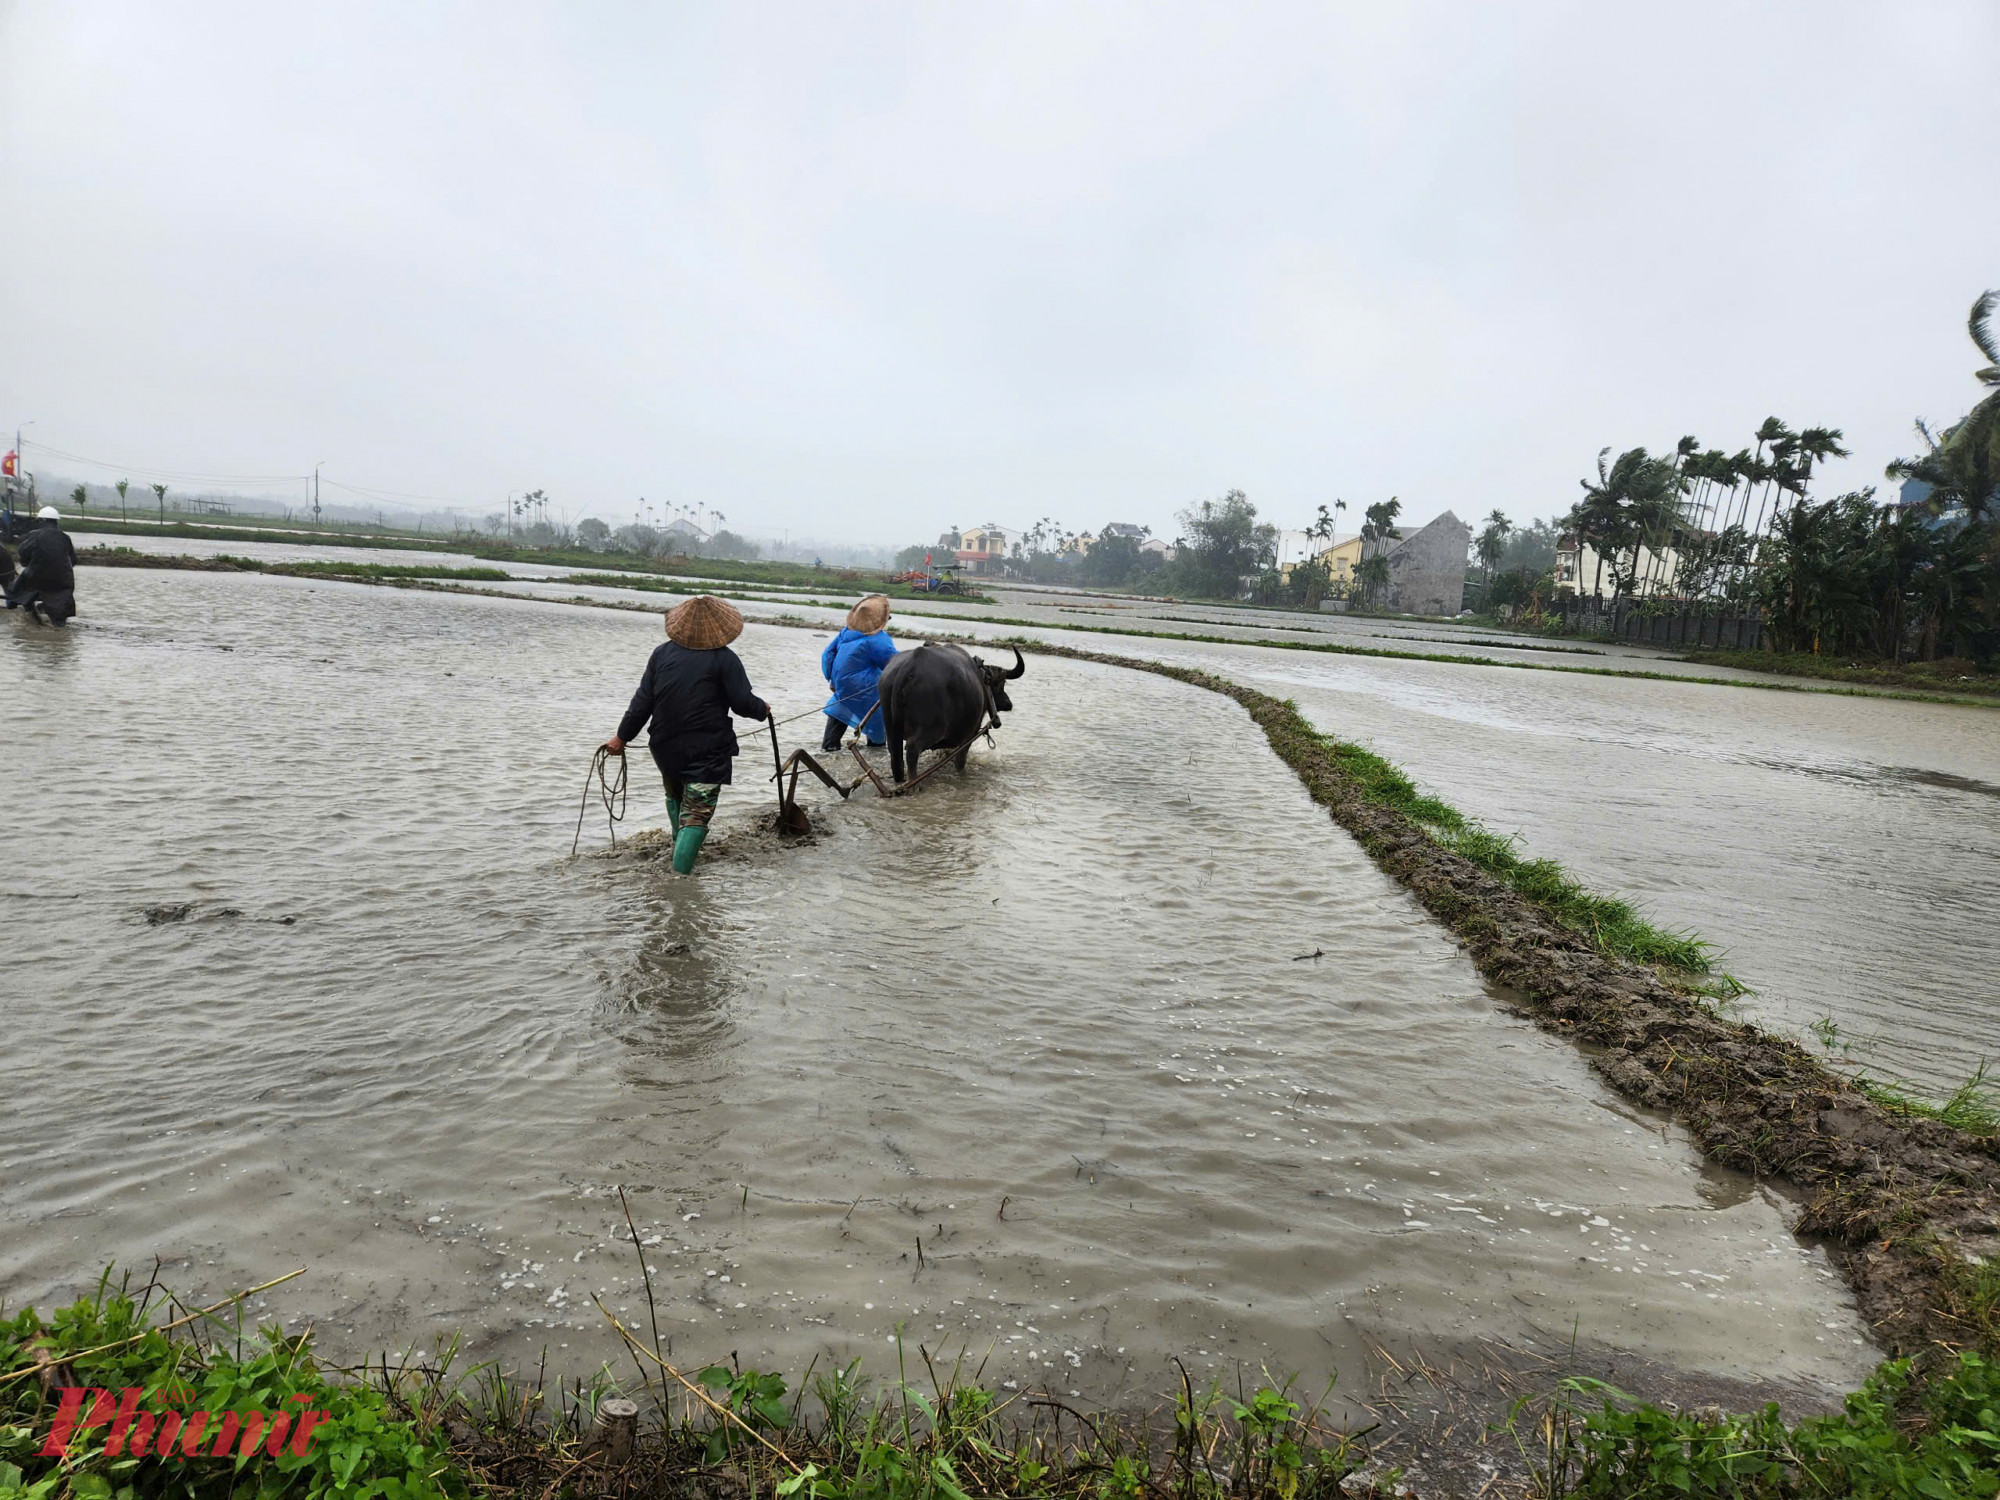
{"x":1842,"y":852}
{"x":301,"y":975}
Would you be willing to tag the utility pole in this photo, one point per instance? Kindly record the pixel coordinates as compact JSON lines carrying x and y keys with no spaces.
{"x":21,"y":465}
{"x":316,"y":469}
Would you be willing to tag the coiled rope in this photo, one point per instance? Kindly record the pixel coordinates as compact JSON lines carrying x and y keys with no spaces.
{"x":610,"y":792}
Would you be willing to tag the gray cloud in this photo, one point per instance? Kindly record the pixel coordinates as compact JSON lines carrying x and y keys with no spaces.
{"x":868,"y":270}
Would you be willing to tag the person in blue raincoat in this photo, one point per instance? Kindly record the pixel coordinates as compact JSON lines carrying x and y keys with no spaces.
{"x":853,"y":663}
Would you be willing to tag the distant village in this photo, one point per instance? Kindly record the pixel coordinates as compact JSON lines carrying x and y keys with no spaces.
{"x":1426,"y":568}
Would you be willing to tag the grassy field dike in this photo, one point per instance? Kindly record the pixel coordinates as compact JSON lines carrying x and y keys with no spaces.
{"x":1907,"y":1203}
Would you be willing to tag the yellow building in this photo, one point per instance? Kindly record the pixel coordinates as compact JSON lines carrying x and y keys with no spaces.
{"x":1342,"y":558}
{"x":982,"y":549}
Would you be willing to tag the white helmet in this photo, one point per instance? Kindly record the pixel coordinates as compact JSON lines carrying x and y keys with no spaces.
{"x":48,"y":513}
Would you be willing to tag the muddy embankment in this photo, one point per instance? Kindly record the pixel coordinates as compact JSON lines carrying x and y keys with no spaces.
{"x":1910,"y":1206}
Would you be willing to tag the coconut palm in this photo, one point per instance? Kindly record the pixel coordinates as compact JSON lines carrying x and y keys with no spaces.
{"x":121,"y":487}
{"x":1963,"y":464}
{"x":1491,"y":543}
{"x":79,"y":497}
{"x":160,"y":494}
{"x":1982,"y":425}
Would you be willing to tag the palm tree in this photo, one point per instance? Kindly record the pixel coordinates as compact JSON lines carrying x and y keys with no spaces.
{"x":121,"y":487}
{"x":1378,"y":523}
{"x":1492,"y":543}
{"x":1371,"y":575}
{"x":80,"y":497}
{"x":1982,"y":424}
{"x":160,"y":494}
{"x":1687,"y":460}
{"x":1600,"y":516}
{"x":1785,"y":479}
{"x":1762,"y":475}
{"x":1963,"y":464}
{"x":1740,"y":468}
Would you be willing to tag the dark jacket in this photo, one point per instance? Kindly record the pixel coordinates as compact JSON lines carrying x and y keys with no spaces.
{"x":688,"y":696}
{"x":48,"y":559}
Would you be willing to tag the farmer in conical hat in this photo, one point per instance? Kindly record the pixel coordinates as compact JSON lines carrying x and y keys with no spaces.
{"x":853,"y":663}
{"x":692,"y":685}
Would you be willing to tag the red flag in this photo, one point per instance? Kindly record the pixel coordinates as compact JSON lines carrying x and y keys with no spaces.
{"x":927,"y":556}
{"x":9,"y":464}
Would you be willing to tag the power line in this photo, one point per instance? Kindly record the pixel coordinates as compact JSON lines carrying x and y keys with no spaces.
{"x":189,"y":476}
{"x":143,"y":472}
{"x":375,"y":494}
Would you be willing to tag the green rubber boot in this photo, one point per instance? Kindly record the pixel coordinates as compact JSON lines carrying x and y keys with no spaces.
{"x":687,"y":844}
{"x":674,"y":813}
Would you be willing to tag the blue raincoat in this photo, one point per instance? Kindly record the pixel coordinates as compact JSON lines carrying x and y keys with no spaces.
{"x":853,"y":663}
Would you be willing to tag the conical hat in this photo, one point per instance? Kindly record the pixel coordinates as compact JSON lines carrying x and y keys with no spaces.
{"x":870,"y":615}
{"x":704,"y":623}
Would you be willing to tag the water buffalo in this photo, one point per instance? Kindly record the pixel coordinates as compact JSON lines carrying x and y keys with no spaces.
{"x":935,"y":698}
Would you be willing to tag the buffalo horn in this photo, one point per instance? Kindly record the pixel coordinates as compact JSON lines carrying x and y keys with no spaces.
{"x":1020,"y":666}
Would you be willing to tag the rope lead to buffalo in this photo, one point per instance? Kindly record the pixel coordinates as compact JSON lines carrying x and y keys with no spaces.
{"x":610,"y":792}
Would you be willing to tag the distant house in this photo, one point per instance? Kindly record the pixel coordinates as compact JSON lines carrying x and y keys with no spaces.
{"x":1578,"y":572}
{"x":1342,"y":558}
{"x":1294,"y":547}
{"x":1124,"y":528}
{"x":1163,"y":550}
{"x":982,"y":550}
{"x":682,"y":526}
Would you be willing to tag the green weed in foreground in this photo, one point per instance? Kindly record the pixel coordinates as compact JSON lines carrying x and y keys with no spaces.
{"x":363,"y":1451}
{"x":1612,"y":924}
{"x":1974,"y":1106}
{"x":1893,"y":1440}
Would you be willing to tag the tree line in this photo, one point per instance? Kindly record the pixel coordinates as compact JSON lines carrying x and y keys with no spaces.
{"x":1702,"y":529}
{"x":1222,"y":550}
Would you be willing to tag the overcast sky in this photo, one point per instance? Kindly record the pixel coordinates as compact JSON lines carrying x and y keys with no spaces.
{"x":866,"y":271}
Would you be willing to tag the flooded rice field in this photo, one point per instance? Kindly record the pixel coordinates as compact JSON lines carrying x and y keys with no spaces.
{"x":1061,"y":608}
{"x":1028,"y":1065}
{"x":1842,"y":851}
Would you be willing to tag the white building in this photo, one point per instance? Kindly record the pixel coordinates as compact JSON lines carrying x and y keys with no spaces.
{"x":1577,"y":570}
{"x":682,"y":526}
